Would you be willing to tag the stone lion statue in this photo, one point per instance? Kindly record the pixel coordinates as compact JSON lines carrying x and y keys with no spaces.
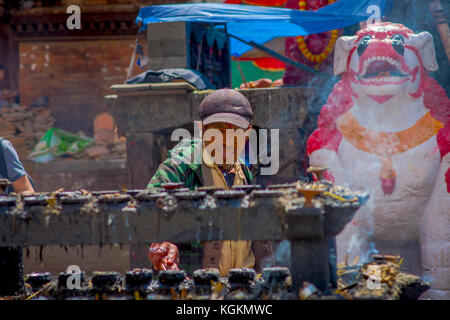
{"x":386,"y":129}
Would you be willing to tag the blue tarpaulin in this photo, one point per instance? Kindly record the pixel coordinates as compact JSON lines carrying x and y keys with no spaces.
{"x":262,"y":24}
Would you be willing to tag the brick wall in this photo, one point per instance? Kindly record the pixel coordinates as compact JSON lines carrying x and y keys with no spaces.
{"x":3,"y":59}
{"x":75,"y":75}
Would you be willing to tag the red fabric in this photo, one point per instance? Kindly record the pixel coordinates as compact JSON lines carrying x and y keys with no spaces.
{"x":316,"y":43}
{"x":266,"y":63}
{"x":265,"y":3}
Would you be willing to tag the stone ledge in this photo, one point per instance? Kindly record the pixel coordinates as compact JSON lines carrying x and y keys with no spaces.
{"x":67,"y":166}
{"x":152,"y":88}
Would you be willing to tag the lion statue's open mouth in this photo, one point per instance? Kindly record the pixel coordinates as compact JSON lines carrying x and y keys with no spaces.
{"x":382,"y":70}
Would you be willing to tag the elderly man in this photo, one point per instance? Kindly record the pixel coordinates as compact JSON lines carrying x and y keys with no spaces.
{"x":225,"y":114}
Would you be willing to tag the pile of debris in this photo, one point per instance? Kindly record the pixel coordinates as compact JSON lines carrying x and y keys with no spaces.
{"x":107,"y":144}
{"x":380,"y":278}
{"x":102,"y":150}
{"x":24,"y":126}
{"x":262,"y":83}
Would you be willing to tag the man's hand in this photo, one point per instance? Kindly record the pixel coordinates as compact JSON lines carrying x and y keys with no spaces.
{"x":164,"y":256}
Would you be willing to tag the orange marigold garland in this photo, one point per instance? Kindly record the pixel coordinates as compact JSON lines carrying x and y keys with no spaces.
{"x":319,"y":58}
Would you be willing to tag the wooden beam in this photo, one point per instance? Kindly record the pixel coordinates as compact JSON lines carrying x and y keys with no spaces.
{"x":108,"y":9}
{"x":92,"y":24}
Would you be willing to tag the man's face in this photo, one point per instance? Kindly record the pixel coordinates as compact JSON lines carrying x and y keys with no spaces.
{"x":227,"y":138}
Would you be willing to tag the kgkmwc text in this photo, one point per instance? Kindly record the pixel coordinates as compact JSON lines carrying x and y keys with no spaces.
{"x":225,"y":309}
